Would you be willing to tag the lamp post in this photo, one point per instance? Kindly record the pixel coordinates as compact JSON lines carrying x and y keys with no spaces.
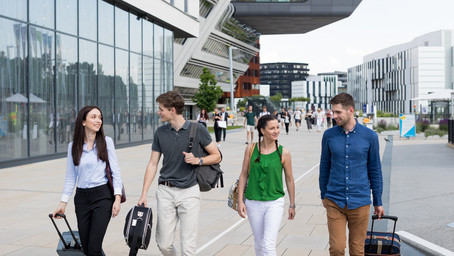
{"x":231,"y":76}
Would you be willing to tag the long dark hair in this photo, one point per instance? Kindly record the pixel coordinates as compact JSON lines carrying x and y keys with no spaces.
{"x":261,"y":124}
{"x":205,"y":114}
{"x":79,"y":137}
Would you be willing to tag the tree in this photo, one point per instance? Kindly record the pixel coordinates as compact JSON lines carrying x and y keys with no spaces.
{"x":209,"y":93}
{"x":241,"y":103}
{"x":276,"y":97}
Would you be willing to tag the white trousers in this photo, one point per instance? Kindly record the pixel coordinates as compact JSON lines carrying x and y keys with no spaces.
{"x":173,"y":205}
{"x":265,"y":219}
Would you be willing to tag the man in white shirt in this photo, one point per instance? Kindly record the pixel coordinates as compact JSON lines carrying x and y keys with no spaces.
{"x":264,"y":112}
{"x":297,"y":116}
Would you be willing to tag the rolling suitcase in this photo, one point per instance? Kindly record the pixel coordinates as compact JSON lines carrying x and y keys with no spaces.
{"x":69,"y":244}
{"x":137,"y":230}
{"x":382,"y":243}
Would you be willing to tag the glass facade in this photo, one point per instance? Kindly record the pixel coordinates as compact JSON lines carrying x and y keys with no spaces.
{"x":58,"y":56}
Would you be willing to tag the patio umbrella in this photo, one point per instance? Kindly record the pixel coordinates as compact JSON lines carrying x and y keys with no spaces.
{"x":17,"y":98}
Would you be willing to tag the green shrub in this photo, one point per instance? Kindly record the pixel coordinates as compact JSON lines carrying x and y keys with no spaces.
{"x":382,"y":124}
{"x":379,"y":129}
{"x":443,"y":124}
{"x":434,"y":131}
{"x":422,"y":125}
{"x":392,"y":127}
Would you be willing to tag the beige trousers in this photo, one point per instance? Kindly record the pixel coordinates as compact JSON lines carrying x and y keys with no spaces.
{"x":173,"y":205}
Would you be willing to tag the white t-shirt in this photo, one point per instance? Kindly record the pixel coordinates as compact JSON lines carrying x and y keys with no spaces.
{"x":298,"y":115}
{"x":264,"y":113}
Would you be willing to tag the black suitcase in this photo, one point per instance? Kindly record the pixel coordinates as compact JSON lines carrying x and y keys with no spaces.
{"x":137,"y":229}
{"x":69,"y":244}
{"x":382,"y":243}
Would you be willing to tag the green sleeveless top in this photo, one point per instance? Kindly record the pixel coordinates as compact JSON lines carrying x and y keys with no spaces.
{"x":265,"y":177}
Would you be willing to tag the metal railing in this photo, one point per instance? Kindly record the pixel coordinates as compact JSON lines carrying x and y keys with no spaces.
{"x":451,"y":131}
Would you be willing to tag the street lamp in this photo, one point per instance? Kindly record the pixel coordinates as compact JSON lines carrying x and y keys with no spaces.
{"x":231,"y":76}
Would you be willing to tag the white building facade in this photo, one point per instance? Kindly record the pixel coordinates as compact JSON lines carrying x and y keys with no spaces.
{"x":319,"y":89}
{"x":392,"y":77}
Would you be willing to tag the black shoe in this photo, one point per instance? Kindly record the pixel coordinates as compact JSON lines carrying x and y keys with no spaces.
{"x":247,"y":142}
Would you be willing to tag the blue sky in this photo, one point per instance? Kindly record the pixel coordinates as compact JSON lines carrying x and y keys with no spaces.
{"x":375,"y":25}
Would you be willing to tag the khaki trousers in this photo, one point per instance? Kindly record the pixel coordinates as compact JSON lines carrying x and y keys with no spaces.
{"x":357,"y":220}
{"x":177,"y":205}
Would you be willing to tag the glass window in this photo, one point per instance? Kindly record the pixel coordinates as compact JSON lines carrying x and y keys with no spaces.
{"x":87,"y":19}
{"x":157,"y":87}
{"x":67,"y":16}
{"x":42,"y":87}
{"x":136,"y":33}
{"x":105,"y":23}
{"x":123,"y":121}
{"x":121,"y":28}
{"x":148,"y":38}
{"x":148,"y":110}
{"x":15,"y":9}
{"x":88,"y":89}
{"x":168,"y":45}
{"x":169,"y":76}
{"x":158,"y":42}
{"x":106,"y":88}
{"x":135,"y":95}
{"x":13,"y":93}
{"x":43,"y":13}
{"x":66,"y":67}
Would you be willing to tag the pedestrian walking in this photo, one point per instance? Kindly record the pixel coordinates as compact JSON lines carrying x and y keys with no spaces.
{"x":308,"y":119}
{"x":224,"y":117}
{"x":203,"y":117}
{"x":94,"y":202}
{"x":262,"y":170}
{"x":287,"y":120}
{"x":217,"y":130}
{"x":328,"y":118}
{"x":178,"y":194}
{"x":349,"y":169}
{"x":264,"y":112}
{"x":297,"y":116}
{"x":250,"y":121}
{"x":319,"y":119}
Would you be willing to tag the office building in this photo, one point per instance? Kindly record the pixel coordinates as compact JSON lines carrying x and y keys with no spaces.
{"x":390,"y":78}
{"x":319,"y":89}
{"x":280,"y":76}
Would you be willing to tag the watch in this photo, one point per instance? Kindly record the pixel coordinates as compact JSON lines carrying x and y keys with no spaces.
{"x":200,"y":161}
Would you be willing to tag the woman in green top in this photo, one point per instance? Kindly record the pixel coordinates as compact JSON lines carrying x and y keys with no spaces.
{"x":262,"y":169}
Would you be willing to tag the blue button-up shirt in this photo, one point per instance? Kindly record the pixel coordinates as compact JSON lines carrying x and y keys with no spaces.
{"x":91,"y":171}
{"x":350,"y":167}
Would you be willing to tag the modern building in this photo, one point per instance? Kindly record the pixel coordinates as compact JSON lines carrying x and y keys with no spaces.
{"x":319,"y":89}
{"x":390,"y":78}
{"x":218,"y":31}
{"x":57,"y":56}
{"x":338,"y":77}
{"x":280,"y":76}
{"x":249,"y":83}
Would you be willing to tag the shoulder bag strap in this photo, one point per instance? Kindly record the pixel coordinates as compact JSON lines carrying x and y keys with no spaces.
{"x":192,"y":134}
{"x":250,"y":156}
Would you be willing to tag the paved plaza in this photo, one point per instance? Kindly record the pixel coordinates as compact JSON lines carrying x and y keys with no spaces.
{"x":30,"y":192}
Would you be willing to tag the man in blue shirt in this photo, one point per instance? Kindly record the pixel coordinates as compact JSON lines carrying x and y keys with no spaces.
{"x":349,"y":169}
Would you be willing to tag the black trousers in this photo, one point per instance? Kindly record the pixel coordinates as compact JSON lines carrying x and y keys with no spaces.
{"x":224,"y":131}
{"x":93,"y":211}
{"x":217,"y":133}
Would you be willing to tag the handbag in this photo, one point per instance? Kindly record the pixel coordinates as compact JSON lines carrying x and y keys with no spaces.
{"x":110,"y":181}
{"x":232,"y":199}
{"x":222,"y":124}
{"x":208,"y":176}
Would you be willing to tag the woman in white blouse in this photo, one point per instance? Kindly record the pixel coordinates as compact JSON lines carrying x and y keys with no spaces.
{"x":94,"y":202}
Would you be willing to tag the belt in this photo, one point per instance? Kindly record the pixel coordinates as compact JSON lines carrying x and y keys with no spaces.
{"x":166,"y":183}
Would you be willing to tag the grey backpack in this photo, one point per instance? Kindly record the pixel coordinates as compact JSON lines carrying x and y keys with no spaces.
{"x":208,"y":176}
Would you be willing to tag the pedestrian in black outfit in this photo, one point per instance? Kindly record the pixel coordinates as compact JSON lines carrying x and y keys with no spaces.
{"x":217,"y":130}
{"x":86,"y":166}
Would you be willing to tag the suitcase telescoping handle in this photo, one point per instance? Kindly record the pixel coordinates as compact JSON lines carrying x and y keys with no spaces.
{"x":77,"y":244}
{"x":389,"y":217}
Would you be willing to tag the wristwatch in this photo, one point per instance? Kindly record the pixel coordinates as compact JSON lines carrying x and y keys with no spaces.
{"x":200,"y":161}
